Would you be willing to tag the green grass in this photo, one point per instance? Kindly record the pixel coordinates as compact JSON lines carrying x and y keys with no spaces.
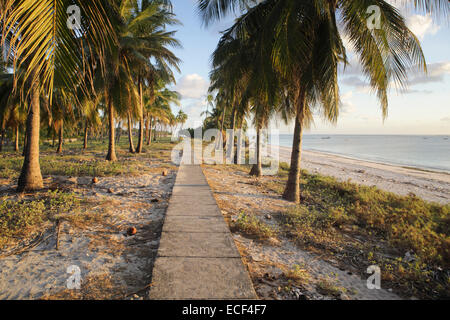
{"x":20,"y":218}
{"x":333,"y":214}
{"x":75,"y":162}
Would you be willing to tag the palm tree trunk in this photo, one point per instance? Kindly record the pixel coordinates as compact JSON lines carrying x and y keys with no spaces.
{"x":130,"y":134}
{"x":60,"y":137}
{"x":85,"y":135}
{"x":147,"y":128}
{"x":257,"y":168}
{"x":119,"y":131}
{"x":16,"y":145}
{"x":220,"y":139}
{"x":24,"y":141}
{"x":149,"y":140}
{"x":292,"y":190}
{"x":237,"y":155}
{"x":30,"y":177}
{"x":2,"y":132}
{"x":111,"y":156}
{"x":141,"y":120}
{"x":230,"y":154}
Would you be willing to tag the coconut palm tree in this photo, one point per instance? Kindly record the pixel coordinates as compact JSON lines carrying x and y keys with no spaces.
{"x":303,"y":46}
{"x":142,"y":39}
{"x":157,"y":106}
{"x":209,"y":104}
{"x":181,"y":119}
{"x":89,"y":115}
{"x":148,"y":40}
{"x":43,"y":50}
{"x":237,"y":71}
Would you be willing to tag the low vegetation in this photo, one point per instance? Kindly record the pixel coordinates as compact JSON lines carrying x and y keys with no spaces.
{"x":359,"y":226}
{"x":75,"y":162}
{"x":327,"y":287}
{"x":21,"y":218}
{"x":24,"y":217}
{"x":298,"y":274}
{"x":253,"y":226}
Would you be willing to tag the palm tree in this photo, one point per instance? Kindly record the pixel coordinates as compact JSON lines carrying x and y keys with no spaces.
{"x":146,"y":37}
{"x":303,"y":47}
{"x":89,"y":115}
{"x":181,"y":118}
{"x":209,"y":104}
{"x":157,"y":106}
{"x":12,"y":112}
{"x":42,"y":55}
{"x":237,"y":72}
{"x":59,"y":112}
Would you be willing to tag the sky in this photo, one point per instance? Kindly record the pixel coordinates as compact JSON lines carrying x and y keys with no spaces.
{"x":423,"y":109}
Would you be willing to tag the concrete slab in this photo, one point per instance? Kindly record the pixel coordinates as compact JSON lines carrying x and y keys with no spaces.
{"x":200,"y":208}
{"x":191,"y":174}
{"x":200,"y":245}
{"x":188,"y":179}
{"x":214,"y":224}
{"x":196,"y":190}
{"x":188,"y":203}
{"x":200,"y":278}
{"x":197,"y":257}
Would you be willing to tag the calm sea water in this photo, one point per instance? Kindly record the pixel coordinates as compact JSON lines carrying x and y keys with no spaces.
{"x":427,"y":152}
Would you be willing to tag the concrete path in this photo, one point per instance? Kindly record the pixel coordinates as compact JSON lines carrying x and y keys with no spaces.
{"x":197,"y":257}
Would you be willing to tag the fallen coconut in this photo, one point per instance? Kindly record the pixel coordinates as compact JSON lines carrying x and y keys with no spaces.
{"x":132,"y":231}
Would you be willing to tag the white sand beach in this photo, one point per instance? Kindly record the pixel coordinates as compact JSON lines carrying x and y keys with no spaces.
{"x":429,"y":185}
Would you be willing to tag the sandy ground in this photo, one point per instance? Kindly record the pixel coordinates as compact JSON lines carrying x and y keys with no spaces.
{"x":237,"y":192}
{"x":113,"y":265}
{"x":428,"y":185}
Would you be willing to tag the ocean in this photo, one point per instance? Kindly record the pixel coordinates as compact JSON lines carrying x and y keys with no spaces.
{"x":424,"y":152}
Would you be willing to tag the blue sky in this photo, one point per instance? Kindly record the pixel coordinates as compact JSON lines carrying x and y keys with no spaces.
{"x":424,"y":109}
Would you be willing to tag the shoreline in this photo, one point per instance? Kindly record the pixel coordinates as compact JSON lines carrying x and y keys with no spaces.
{"x":430,"y":185}
{"x":381,"y":162}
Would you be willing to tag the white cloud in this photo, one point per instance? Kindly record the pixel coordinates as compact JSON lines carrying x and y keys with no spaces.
{"x":435,"y":73}
{"x":347,"y":105}
{"x":194,"y":110}
{"x":446,"y":119}
{"x":422,"y":25}
{"x":192,"y":86}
